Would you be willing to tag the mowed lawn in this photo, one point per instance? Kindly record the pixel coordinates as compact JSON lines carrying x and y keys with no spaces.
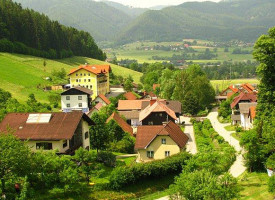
{"x":22,"y":75}
{"x":254,"y":187}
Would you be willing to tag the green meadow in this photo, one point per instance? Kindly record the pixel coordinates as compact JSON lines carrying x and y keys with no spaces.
{"x":223,"y":84}
{"x":134,"y":51}
{"x":22,"y":75}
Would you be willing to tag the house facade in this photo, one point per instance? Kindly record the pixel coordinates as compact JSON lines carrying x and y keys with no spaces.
{"x":102,"y":99}
{"x":78,"y":98}
{"x":244,"y":115}
{"x":159,"y":142}
{"x":93,"y":77}
{"x":64,"y":132}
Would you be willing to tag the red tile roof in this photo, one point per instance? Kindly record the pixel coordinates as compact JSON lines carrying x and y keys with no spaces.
{"x":95,"y":69}
{"x":231,"y":87}
{"x":252,"y":112}
{"x":129,"y":105}
{"x":248,"y":87}
{"x":146,"y":135}
{"x":250,"y":97}
{"x":130,"y":96}
{"x":61,"y":126}
{"x":123,"y":124}
{"x":156,"y":107}
{"x":105,"y":99}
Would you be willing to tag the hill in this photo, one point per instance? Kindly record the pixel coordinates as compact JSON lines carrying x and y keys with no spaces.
{"x":21,"y":75}
{"x":131,"y":11}
{"x":102,"y":21}
{"x":28,"y":32}
{"x":244,"y":20}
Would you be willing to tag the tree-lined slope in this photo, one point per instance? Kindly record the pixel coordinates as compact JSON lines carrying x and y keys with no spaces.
{"x":244,"y":20}
{"x":102,"y":21}
{"x":28,"y":32}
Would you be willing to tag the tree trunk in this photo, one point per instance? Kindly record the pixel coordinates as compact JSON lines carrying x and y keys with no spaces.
{"x":3,"y":185}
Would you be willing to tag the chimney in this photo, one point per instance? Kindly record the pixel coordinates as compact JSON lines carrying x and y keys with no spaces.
{"x":153,"y":100}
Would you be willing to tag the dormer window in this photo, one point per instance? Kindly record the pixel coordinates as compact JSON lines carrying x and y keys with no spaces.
{"x":163,"y":141}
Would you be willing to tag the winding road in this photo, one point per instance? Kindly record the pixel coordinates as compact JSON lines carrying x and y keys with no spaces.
{"x":238,"y":166}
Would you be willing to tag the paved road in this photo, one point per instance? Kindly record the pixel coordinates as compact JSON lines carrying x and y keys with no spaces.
{"x":191,"y":145}
{"x":238,"y":166}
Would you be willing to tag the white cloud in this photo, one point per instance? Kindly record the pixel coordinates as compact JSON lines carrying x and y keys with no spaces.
{"x":150,"y":3}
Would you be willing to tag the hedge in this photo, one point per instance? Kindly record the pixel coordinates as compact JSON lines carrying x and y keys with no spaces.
{"x":122,"y":176}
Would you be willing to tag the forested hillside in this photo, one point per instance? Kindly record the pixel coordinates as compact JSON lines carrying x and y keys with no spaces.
{"x":28,"y":32}
{"x":243,"y":19}
{"x":102,"y":21}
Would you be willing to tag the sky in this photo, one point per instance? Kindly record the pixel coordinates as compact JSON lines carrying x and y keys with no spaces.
{"x":151,"y":3}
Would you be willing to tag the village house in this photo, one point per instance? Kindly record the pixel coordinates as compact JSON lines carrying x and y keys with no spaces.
{"x":241,"y":98}
{"x":102,"y":99}
{"x":247,"y":88}
{"x":64,"y":132}
{"x":123,"y":124}
{"x":244,"y":114}
{"x":131,"y":109}
{"x":156,"y":113}
{"x":228,"y":92}
{"x":159,"y":142}
{"x":93,"y":77}
{"x":95,"y":109}
{"x":78,"y":98}
{"x":130,"y":96}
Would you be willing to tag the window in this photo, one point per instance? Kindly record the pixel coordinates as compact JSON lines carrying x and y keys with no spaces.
{"x":150,"y":154}
{"x":91,"y":86}
{"x":80,"y":74}
{"x":160,"y":114}
{"x":84,"y":74}
{"x":76,"y":74}
{"x":89,"y":80}
{"x":79,"y":97}
{"x":68,"y":105}
{"x":65,"y":144}
{"x":76,"y":80}
{"x":167,"y":153}
{"x":163,"y":141}
{"x":67,"y":97}
{"x":84,"y":80}
{"x":44,"y":145}
{"x":86,"y":135}
{"x":150,"y":123}
{"x":89,"y":74}
{"x":80,"y":105}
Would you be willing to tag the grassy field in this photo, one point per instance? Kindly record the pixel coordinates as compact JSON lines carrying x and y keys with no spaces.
{"x":137,"y":52}
{"x":230,"y":128}
{"x":22,"y":75}
{"x":254,"y":187}
{"x":223,"y":84}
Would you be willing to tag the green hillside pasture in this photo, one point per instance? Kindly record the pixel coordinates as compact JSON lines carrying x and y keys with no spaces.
{"x":223,"y":84}
{"x":22,"y":75}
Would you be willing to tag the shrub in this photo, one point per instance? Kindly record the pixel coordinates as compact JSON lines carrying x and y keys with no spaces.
{"x":123,"y":176}
{"x":270,"y":163}
{"x":271,"y":184}
{"x":238,"y":129}
{"x":107,"y":158}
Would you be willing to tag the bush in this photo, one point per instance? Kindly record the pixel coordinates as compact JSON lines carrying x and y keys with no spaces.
{"x":271,"y":184}
{"x":123,"y":176}
{"x":107,"y":158}
{"x":126,"y":145}
{"x":270,"y":163}
{"x":238,"y":129}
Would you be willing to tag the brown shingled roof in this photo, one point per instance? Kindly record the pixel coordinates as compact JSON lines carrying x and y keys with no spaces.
{"x":250,"y":97}
{"x":105,"y":99}
{"x":146,"y":135}
{"x":61,"y":126}
{"x":130,"y":96}
{"x":126,"y":127}
{"x":156,"y":107}
{"x":129,"y":105}
{"x":248,"y":87}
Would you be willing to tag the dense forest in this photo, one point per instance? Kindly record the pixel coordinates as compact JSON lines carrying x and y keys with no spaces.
{"x":28,"y":32}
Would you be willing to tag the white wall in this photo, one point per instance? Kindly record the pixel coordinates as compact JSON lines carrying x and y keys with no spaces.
{"x":74,"y":102}
{"x":85,"y":128}
{"x":245,"y":121}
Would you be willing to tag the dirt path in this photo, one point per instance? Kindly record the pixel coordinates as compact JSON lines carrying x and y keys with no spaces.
{"x":191,"y":145}
{"x":238,"y":166}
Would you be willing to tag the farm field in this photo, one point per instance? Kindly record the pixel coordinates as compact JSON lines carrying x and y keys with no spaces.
{"x":136,"y":51}
{"x":21,"y":75}
{"x":223,"y":84}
